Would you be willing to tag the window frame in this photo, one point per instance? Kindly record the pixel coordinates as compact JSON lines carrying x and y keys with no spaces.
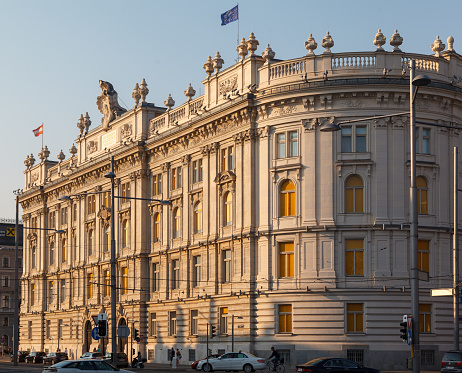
{"x":157,"y":184}
{"x":357,"y":257}
{"x":286,"y":260}
{"x":356,"y":317}
{"x":227,"y":265}
{"x":177,"y":223}
{"x":287,"y":146}
{"x":228,"y":209}
{"x":197,"y":270}
{"x":354,"y":139}
{"x":425,"y":318}
{"x":172,"y":323}
{"x":198,"y":217}
{"x":422,"y":195}
{"x":194,"y":322}
{"x":357,"y":195}
{"x":175,"y":274}
{"x":287,"y":201}
{"x":284,"y":319}
{"x":224,"y":315}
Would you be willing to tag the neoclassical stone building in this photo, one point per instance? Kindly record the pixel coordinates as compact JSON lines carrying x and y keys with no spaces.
{"x":299,"y":238}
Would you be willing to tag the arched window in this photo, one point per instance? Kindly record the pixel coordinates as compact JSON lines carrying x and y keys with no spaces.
{"x":107,"y":239}
{"x":198,"y":217}
{"x":422,"y":195}
{"x":64,"y":248}
{"x":125,"y":233}
{"x":34,"y":256}
{"x":228,"y":209}
{"x":91,"y":242}
{"x":354,"y":194}
{"x":157,"y":227}
{"x":287,"y":198}
{"x":52,"y":253}
{"x":177,"y":223}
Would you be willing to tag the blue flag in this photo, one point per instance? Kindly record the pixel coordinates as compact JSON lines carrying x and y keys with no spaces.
{"x":230,"y":16}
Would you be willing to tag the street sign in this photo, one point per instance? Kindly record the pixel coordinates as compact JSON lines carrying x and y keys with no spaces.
{"x":123,"y":331}
{"x":409,"y":337}
{"x":94,"y":333}
{"x":95,"y":320}
{"x":102,"y":316}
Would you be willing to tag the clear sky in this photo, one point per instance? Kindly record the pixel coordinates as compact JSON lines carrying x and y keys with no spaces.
{"x":53,"y":53}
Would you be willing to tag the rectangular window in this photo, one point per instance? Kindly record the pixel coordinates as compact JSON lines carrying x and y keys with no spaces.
{"x":74,"y":217}
{"x":356,"y":355}
{"x":90,"y":286}
{"x":52,"y":219}
{"x":60,"y":328}
{"x":172,"y":323}
{"x":6,"y":301}
{"x":6,"y":262}
{"x":422,"y":140}
{"x":32,"y":295}
{"x":425,"y":318}
{"x":125,"y":192}
{"x":176,"y":177}
{"x":155,"y":276}
{"x":5,"y":321}
{"x":153,"y":324}
{"x":355,"y":316}
{"x":124,"y":280}
{"x":48,"y":329}
{"x":157,"y":184}
{"x":63,"y":290}
{"x":227,"y":158}
{"x":197,"y":173}
{"x":354,"y":139}
{"x":281,"y":145}
{"x":293,"y":144}
{"x":192,"y":354}
{"x":175,"y":274}
{"x":107,"y":199}
{"x":194,"y":330}
{"x":91,"y":204}
{"x":285,"y":318}
{"x":63,"y":215}
{"x":224,"y":320}
{"x":287,"y":144}
{"x":286,"y":259}
{"x":50,"y":291}
{"x":107,"y":283}
{"x":6,"y":281}
{"x":424,"y":255}
{"x":226,"y":265}
{"x":29,"y":329}
{"x":197,"y":262}
{"x":354,"y":258}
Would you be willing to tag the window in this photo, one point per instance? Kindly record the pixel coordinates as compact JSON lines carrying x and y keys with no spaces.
{"x":74,"y":217}
{"x":287,"y":198}
{"x":422,"y":195}
{"x":6,"y":262}
{"x":107,"y":283}
{"x":285,"y":318}
{"x":157,"y":227}
{"x":197,"y":173}
{"x":124,"y":280}
{"x":153,"y":324}
{"x":354,"y":258}
{"x":91,"y":204}
{"x":355,"y":318}
{"x":5,"y":301}
{"x":125,"y":192}
{"x":63,"y":290}
{"x":172,"y":323}
{"x":354,"y":194}
{"x":425,"y":318}
{"x":422,"y":140}
{"x":29,"y":329}
{"x":50,"y":292}
{"x":52,"y":219}
{"x":34,"y":256}
{"x":175,"y":274}
{"x":5,"y":321}
{"x":107,"y":199}
{"x":424,"y":255}
{"x":64,"y":250}
{"x":60,"y":328}
{"x":32,"y":294}
{"x":176,"y":177}
{"x":356,"y":355}
{"x":63,"y":215}
{"x":286,"y":259}
{"x":91,"y":243}
{"x":125,"y":233}
{"x":194,"y":329}
{"x":6,"y":281}
{"x":52,"y":253}
{"x":226,"y":265}
{"x":155,"y":276}
{"x":20,"y":262}
{"x":198,"y":217}
{"x":107,"y":239}
{"x":177,"y":223}
{"x":48,"y":329}
{"x":157,"y":184}
{"x":227,"y":158}
{"x":287,"y":144}
{"x":197,"y":262}
{"x":90,"y":285}
{"x":354,"y":139}
{"x":228,"y":209}
{"x":224,"y":320}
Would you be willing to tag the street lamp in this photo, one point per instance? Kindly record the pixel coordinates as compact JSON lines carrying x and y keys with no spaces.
{"x":232,"y":330}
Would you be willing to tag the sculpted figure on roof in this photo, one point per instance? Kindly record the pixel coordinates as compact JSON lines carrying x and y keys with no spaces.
{"x":108,"y":103}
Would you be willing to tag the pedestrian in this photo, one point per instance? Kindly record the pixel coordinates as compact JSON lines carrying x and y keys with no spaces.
{"x":65,"y":350}
{"x":172,"y":356}
{"x":94,"y":349}
{"x":178,"y":357}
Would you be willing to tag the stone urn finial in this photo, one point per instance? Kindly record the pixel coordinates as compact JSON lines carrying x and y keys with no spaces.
{"x":143,"y":90}
{"x":80,"y":125}
{"x":242,"y":49}
{"x":395,"y":41}
{"x":310,"y":45}
{"x":450,"y":42}
{"x":208,"y":66}
{"x":136,"y":94}
{"x":61,"y":157}
{"x":86,"y":122}
{"x":31,"y":160}
{"x":44,"y":154}
{"x":252,"y":44}
{"x":73,"y":150}
{"x":379,"y":40}
{"x":27,"y":162}
{"x":189,"y":92}
{"x":268,"y":54}
{"x":327,"y":43}
{"x":169,"y":102}
{"x":438,"y":46}
{"x":218,"y":62}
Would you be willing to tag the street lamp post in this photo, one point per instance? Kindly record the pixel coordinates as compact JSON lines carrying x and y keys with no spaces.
{"x":16,"y":283}
{"x":455,"y":252}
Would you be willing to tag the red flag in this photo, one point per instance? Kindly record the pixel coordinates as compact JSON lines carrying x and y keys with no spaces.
{"x":38,"y":131}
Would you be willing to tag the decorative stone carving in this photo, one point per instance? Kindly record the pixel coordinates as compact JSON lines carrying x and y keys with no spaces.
{"x":395,"y":41}
{"x":31,"y":160}
{"x":228,"y":85}
{"x":86,"y":122}
{"x":73,"y":150}
{"x":169,"y":102}
{"x":379,"y":40}
{"x":208,"y":66}
{"x":310,"y":45}
{"x":252,"y":44}
{"x":268,"y":54}
{"x":80,"y":125}
{"x":136,"y":94}
{"x":189,"y":92}
{"x":438,"y":46}
{"x":104,"y":213}
{"x":284,"y":110}
{"x":242,"y":49}
{"x":61,"y":157}
{"x":143,"y":90}
{"x":126,"y":130}
{"x":108,"y":104}
{"x":327,"y":43}
{"x":44,"y":154}
{"x":450,"y":42}
{"x":218,"y":62}
{"x":92,"y":147}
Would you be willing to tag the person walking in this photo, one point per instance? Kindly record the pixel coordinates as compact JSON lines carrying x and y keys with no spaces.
{"x":173,"y":357}
{"x":178,"y":357}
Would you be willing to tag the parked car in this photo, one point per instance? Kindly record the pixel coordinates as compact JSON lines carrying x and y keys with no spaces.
{"x":82,"y":366}
{"x":35,"y":357}
{"x":452,"y":362}
{"x":54,"y":357}
{"x":21,"y":356}
{"x":333,"y":364}
{"x":233,"y":361}
{"x":92,"y":355}
{"x":122,"y":359}
{"x":212,"y":356}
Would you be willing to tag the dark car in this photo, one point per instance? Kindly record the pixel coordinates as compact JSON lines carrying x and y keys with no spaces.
{"x":452,"y":362}
{"x":21,"y":356}
{"x":54,"y":357}
{"x":35,"y":357}
{"x":333,"y":365}
{"x":122,"y":359}
{"x":212,"y":356}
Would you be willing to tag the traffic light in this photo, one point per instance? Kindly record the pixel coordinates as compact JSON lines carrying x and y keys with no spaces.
{"x":136,"y":335}
{"x":133,"y":351}
{"x":403,"y":331}
{"x":213,"y":331}
{"x":102,"y":328}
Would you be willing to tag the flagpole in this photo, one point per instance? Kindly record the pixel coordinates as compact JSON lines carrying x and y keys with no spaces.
{"x":42,"y":134}
{"x":237,"y":31}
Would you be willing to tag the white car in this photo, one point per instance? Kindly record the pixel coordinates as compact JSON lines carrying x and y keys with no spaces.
{"x":82,"y":366}
{"x":233,"y":361}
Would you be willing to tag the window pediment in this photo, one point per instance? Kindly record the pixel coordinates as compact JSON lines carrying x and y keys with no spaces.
{"x":225,"y":177}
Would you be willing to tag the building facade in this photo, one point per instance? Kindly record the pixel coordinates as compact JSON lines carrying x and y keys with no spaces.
{"x":279,"y":234}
